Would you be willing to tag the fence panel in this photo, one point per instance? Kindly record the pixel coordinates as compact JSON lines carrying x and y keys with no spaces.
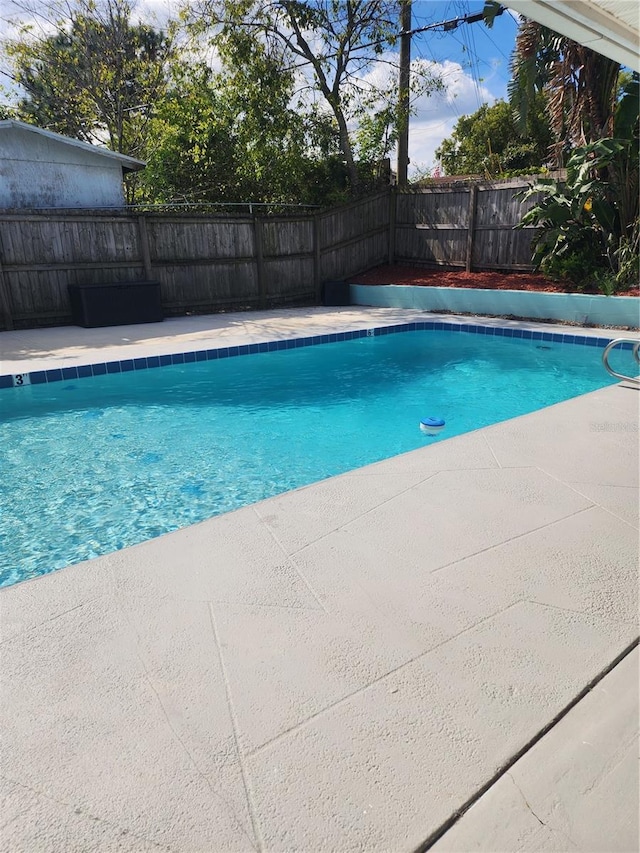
{"x":206,"y":288}
{"x":180,"y":240}
{"x":430,"y":246}
{"x":40,"y":255}
{"x":435,"y":208}
{"x":353,"y":220}
{"x":354,"y":238}
{"x":284,"y":237}
{"x":203,"y":264}
{"x":432,"y":225}
{"x":289,"y":280}
{"x":206,"y":263}
{"x":348,"y":260}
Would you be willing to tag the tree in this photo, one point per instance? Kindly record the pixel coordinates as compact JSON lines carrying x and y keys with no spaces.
{"x":194,"y":157}
{"x":337,"y":40}
{"x":581,"y":87}
{"x":6,"y":112}
{"x":97,"y":78}
{"x":488,"y":142}
{"x":207,"y":137}
{"x":233,"y":137}
{"x":280,"y":135}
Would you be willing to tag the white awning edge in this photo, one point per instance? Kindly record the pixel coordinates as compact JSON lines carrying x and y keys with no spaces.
{"x":610,"y":27}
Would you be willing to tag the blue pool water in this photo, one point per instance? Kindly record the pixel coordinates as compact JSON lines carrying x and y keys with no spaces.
{"x":92,"y":465}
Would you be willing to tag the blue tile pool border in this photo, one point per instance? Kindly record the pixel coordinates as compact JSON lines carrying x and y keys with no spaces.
{"x":38,"y":377}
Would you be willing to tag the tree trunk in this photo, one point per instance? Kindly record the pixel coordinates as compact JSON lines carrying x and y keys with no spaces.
{"x":345,"y":147}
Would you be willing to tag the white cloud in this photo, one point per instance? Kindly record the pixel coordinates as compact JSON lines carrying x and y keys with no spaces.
{"x":156,"y":11}
{"x":15,"y":17}
{"x":436,"y":115}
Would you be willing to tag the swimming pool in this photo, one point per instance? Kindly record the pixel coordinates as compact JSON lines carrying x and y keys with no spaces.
{"x":93,"y":465}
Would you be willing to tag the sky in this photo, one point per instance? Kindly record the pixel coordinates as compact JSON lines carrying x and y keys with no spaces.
{"x":474,"y":63}
{"x":472,"y":60}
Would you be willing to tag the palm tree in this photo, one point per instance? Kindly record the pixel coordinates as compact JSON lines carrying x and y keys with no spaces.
{"x":581,"y":87}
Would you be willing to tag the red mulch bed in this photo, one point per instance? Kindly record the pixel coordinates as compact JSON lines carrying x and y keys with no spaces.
{"x":421,"y":277}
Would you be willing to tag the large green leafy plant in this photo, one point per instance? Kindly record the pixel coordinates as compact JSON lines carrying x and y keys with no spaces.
{"x":588,"y":233}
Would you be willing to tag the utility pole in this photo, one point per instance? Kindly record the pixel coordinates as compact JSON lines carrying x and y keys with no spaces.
{"x":405,"y":69}
{"x":403,"y":92}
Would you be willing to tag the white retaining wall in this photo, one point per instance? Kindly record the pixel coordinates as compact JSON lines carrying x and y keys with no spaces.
{"x":572,"y":307}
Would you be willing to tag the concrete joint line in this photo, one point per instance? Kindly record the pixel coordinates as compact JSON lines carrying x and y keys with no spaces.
{"x":595,"y":503}
{"x":165,"y":713}
{"x":293,"y":563}
{"x":246,"y":779}
{"x":221,"y":605}
{"x":345,"y":699}
{"x":491,"y":450}
{"x":561,"y":609}
{"x":455,"y":817}
{"x":512,"y":539}
{"x":585,"y":614}
{"x":216,"y":602}
{"x":362,"y":514}
{"x":364,"y":474}
{"x":50,"y":619}
{"x":86,"y":815}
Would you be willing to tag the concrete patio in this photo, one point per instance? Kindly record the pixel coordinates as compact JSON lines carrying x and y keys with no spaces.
{"x":348,"y":666}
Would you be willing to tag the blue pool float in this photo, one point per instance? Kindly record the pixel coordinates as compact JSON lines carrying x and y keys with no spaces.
{"x":432,"y":426}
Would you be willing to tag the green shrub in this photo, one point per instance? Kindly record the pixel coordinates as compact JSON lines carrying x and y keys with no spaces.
{"x":587,"y":228}
{"x":579,"y":266}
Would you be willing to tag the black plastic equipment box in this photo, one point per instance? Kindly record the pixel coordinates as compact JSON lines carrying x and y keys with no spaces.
{"x":336,"y":293}
{"x":115,"y":304}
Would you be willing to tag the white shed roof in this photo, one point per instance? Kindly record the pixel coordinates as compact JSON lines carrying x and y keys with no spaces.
{"x":129,"y":164}
{"x":610,"y":27}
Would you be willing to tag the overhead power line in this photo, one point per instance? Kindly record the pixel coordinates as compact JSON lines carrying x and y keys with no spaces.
{"x":451,"y":24}
{"x":405,"y":40}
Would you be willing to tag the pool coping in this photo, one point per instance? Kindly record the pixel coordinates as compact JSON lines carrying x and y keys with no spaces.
{"x":488,"y":327}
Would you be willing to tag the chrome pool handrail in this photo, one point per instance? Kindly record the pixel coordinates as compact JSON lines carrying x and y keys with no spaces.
{"x":635,"y":353}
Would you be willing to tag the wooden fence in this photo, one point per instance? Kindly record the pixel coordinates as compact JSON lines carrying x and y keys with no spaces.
{"x":210,"y":263}
{"x":464,"y":224}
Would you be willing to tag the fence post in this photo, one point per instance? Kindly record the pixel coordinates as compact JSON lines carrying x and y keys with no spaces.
{"x":393,"y":202}
{"x":471,"y":218}
{"x":5,"y":304}
{"x":257,"y":234}
{"x":317,"y":259}
{"x":144,"y":247}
